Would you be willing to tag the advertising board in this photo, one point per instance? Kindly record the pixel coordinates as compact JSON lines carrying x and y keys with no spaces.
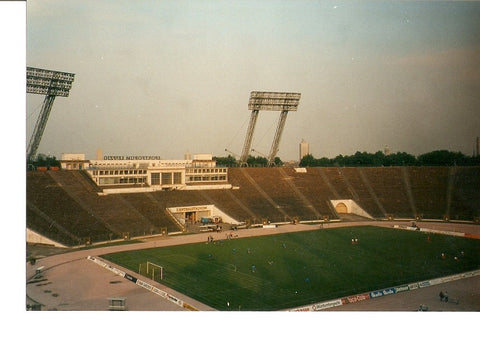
{"x":401,"y":288}
{"x":131,"y":278}
{"x":326,"y":305}
{"x":356,"y":298}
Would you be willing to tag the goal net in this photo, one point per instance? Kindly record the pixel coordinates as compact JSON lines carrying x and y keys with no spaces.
{"x":151,"y":270}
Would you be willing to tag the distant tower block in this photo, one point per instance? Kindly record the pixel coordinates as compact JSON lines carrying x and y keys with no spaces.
{"x":304,"y":149}
{"x":386,"y":150}
{"x":99,"y":154}
{"x":270,"y":101}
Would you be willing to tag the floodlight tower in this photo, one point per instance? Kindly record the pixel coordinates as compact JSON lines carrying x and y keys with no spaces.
{"x":51,"y":84}
{"x":248,"y":138}
{"x":270,"y":101}
{"x":276,"y":140}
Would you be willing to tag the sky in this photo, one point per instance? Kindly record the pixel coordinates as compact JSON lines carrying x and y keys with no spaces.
{"x":169,"y":77}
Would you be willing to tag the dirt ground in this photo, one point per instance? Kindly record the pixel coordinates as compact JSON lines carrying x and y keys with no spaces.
{"x":71,"y":282}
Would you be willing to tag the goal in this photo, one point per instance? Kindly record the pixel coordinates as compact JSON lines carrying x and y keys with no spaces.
{"x":151,"y":270}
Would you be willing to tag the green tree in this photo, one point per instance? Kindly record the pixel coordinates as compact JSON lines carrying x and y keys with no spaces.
{"x":361,"y":159}
{"x":442,"y":158}
{"x":257,"y":161}
{"x":323,"y":162}
{"x":278,"y":161}
{"x":339,"y":161}
{"x":379,"y":159}
{"x":307,"y":161}
{"x":228,"y":161}
{"x":43,"y":160}
{"x":400,"y":159}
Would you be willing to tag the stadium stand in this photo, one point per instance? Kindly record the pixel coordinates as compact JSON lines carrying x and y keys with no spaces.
{"x":253,"y":196}
{"x":52,"y":212}
{"x":429,"y":187}
{"x":389,"y":187}
{"x":465,"y":197}
{"x":228,"y":201}
{"x":113,"y":211}
{"x":66,"y":206}
{"x":313,"y":186}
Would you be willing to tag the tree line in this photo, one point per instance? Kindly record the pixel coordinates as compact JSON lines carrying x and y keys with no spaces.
{"x":365,"y":159}
{"x":252,"y":161}
{"x":379,"y":159}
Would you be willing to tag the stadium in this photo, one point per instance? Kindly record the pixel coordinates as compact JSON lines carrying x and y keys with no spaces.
{"x":134,"y":232}
{"x":138,"y":232}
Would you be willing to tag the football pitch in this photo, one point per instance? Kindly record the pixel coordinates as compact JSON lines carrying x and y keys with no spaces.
{"x":288,"y":270}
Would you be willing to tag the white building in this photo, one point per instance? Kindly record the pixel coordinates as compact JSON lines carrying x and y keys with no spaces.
{"x":71,"y":161}
{"x":149,"y":173}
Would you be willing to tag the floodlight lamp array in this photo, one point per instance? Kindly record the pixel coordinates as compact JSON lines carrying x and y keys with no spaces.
{"x":274,"y":101}
{"x":48,"y":82}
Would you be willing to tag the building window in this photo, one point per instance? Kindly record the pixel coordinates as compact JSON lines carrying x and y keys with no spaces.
{"x":155,"y":179}
{"x":177,"y":178}
{"x":166,"y":178}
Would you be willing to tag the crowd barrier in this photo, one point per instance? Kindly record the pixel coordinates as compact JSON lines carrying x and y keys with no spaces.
{"x":143,"y":284}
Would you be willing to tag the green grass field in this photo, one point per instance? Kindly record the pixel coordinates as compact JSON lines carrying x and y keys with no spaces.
{"x":289,"y":270}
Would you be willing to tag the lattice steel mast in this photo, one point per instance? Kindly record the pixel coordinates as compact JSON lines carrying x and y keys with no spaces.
{"x":276,"y":140}
{"x":51,"y":84}
{"x":39,"y":127}
{"x":271,"y":101}
{"x":248,"y":138}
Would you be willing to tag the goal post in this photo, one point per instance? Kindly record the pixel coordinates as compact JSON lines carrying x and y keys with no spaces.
{"x":151,"y":270}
